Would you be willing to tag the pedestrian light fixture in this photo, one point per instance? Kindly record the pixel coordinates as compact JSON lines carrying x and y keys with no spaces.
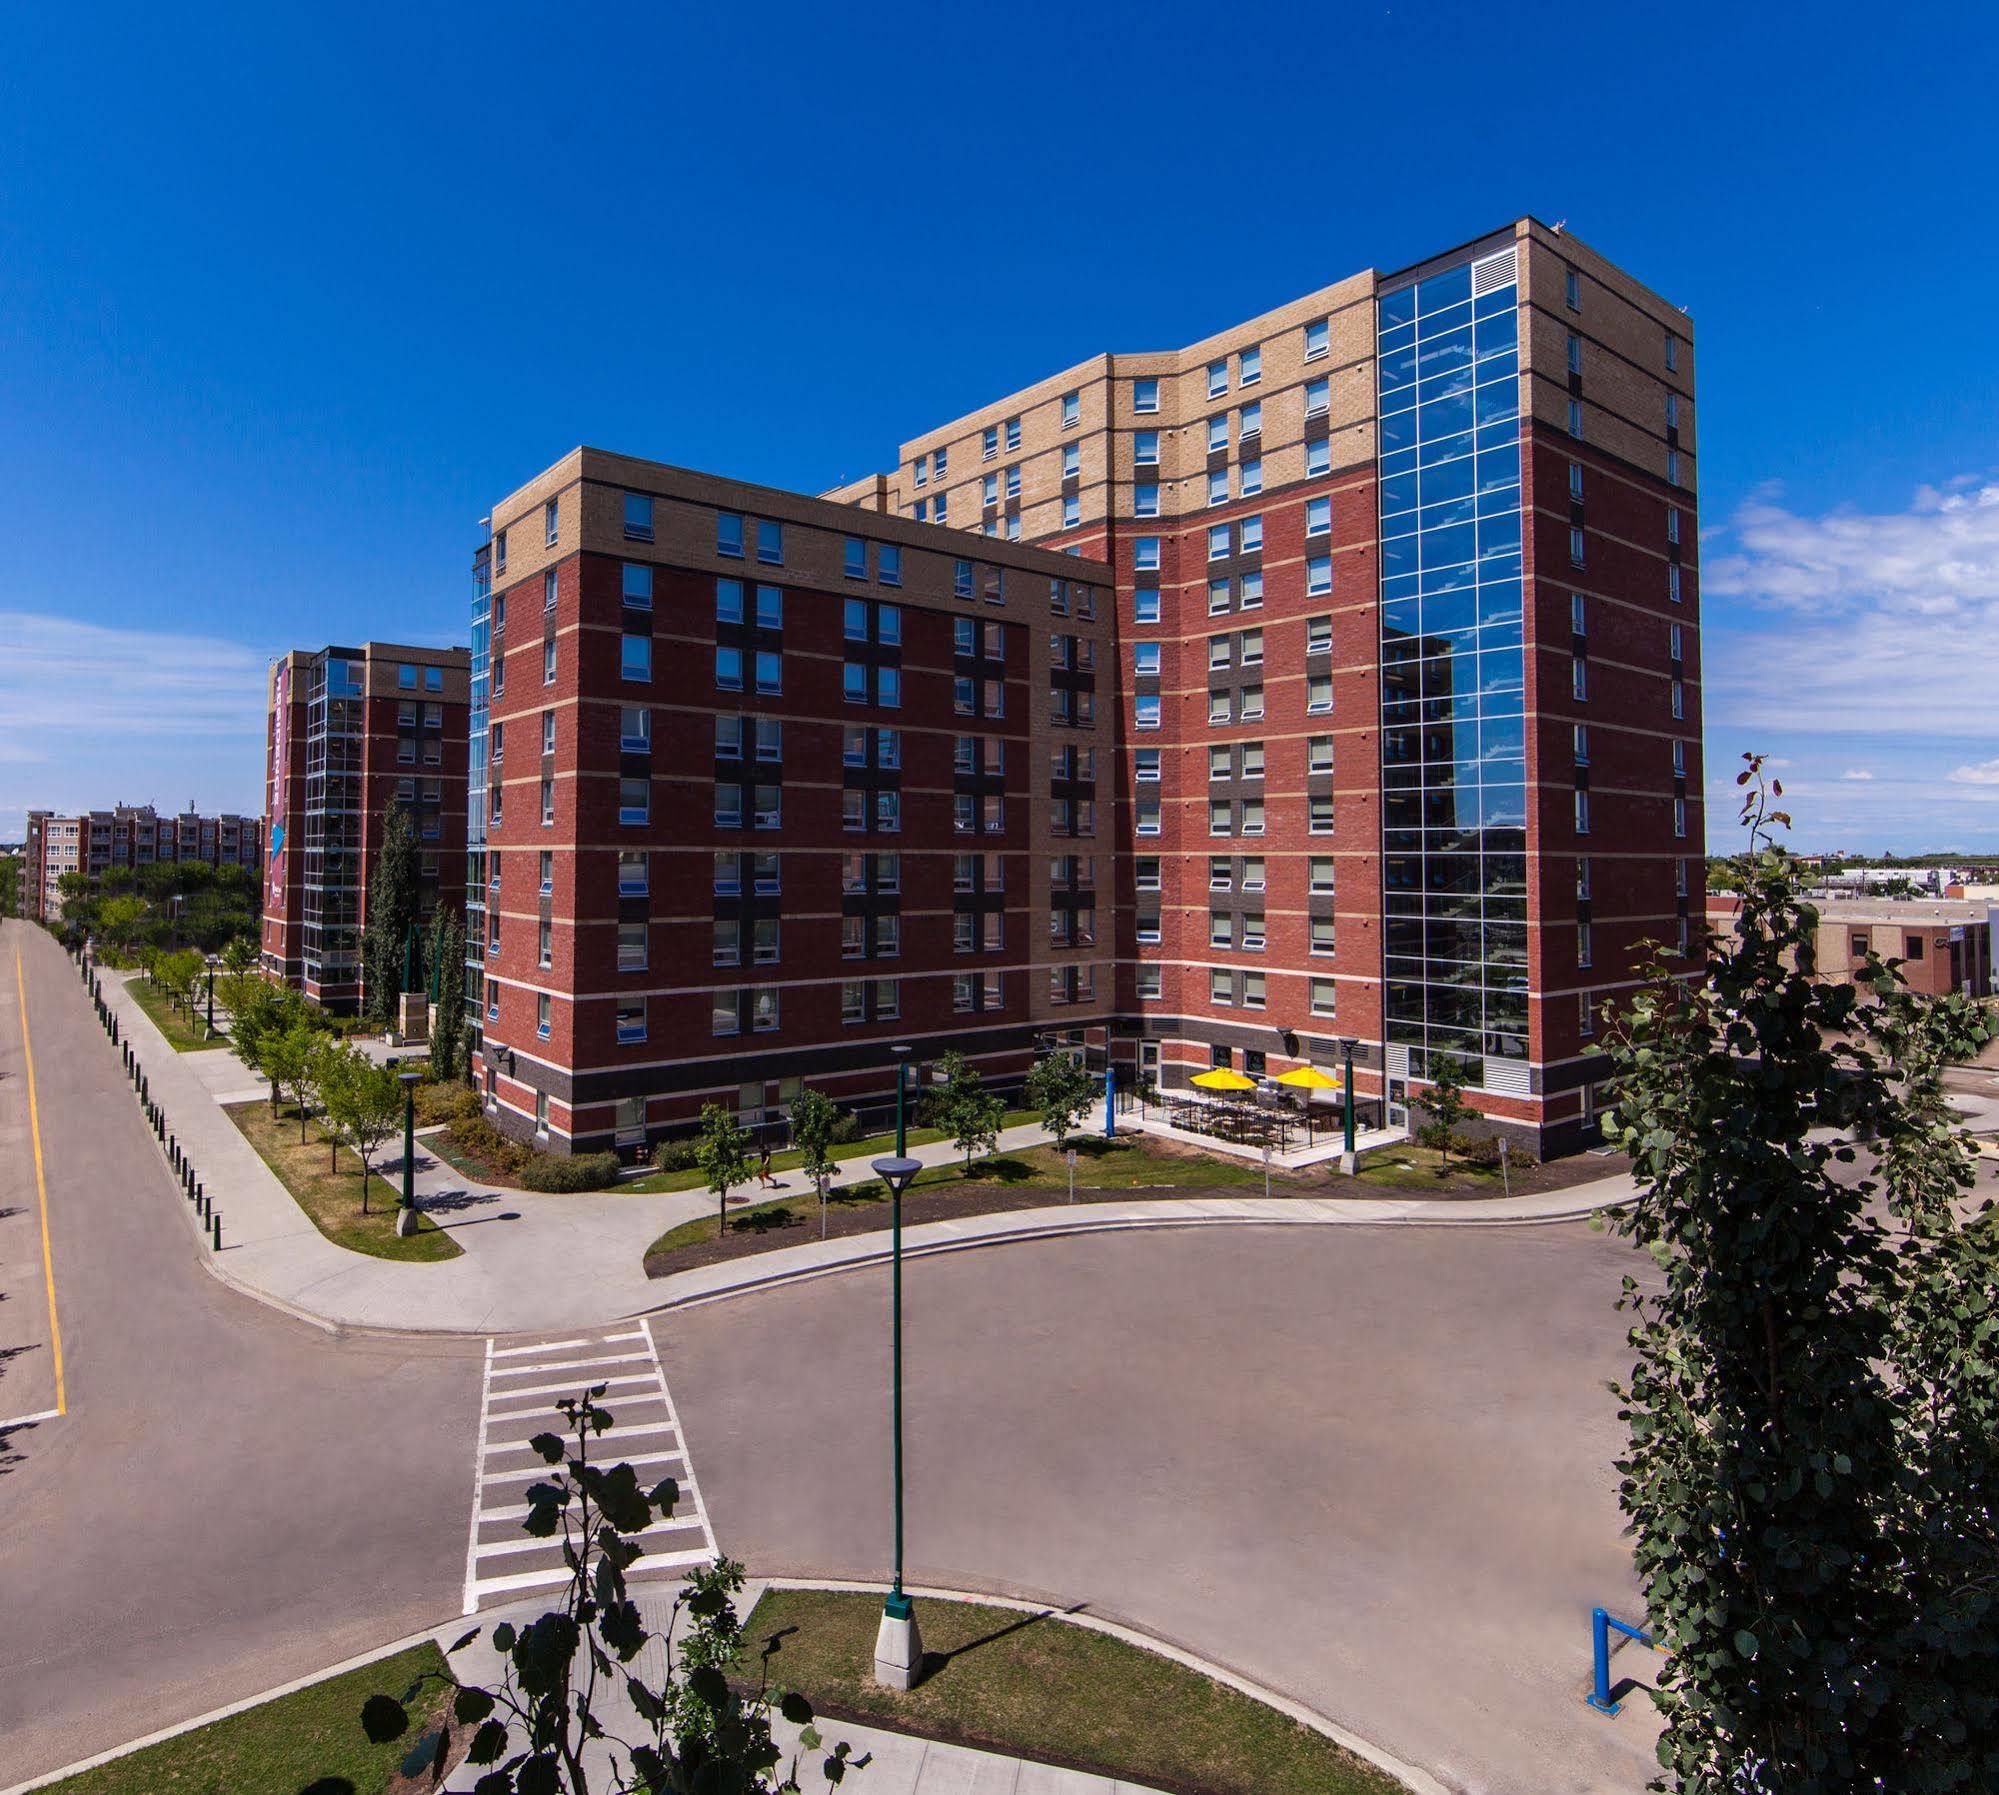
{"x":406,"y":1215}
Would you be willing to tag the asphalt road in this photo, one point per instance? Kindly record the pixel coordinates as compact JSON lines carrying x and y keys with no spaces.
{"x":233,"y":1498}
{"x":1370,"y":1468}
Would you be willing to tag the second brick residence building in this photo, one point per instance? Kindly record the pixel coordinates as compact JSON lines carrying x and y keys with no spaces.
{"x":1384,"y":606}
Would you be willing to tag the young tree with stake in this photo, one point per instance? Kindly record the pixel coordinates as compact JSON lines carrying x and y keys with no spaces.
{"x":723,"y":1153}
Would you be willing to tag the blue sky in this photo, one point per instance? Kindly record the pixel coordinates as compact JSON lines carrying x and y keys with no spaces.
{"x":288,"y":296}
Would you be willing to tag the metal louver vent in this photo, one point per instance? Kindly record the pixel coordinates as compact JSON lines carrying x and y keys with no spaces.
{"x":1494,"y":271}
{"x":1513,"y":1077}
{"x":1397,"y":1061}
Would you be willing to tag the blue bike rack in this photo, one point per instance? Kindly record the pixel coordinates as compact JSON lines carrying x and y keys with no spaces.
{"x":1601,"y":1621}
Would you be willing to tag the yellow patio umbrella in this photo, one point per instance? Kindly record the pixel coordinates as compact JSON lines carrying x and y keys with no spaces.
{"x":1309,"y":1079}
{"x":1222,"y":1079}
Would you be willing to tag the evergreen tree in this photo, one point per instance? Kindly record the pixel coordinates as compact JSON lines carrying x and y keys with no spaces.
{"x":447,"y":958}
{"x":392,"y":913}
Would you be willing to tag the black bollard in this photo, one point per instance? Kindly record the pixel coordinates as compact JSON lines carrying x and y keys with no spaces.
{"x":215,"y":1216}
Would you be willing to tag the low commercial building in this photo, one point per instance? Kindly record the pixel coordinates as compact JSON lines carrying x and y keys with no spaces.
{"x":1944,"y":945}
{"x":349,"y":731}
{"x":94,"y":842}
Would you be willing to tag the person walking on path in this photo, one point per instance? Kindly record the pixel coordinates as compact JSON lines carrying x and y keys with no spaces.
{"x":763,"y":1167}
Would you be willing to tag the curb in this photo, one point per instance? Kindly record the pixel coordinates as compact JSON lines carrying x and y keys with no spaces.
{"x":752,"y":1284}
{"x":1412,"y":1776}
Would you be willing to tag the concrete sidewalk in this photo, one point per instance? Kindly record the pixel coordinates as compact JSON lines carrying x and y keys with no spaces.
{"x":533,"y":1262}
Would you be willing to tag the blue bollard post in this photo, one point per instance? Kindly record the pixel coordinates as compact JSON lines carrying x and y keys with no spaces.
{"x":1600,"y":1624}
{"x":1110,"y":1100}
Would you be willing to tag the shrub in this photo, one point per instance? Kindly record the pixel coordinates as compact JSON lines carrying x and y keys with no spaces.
{"x":479,"y":1139}
{"x":847,"y":1129}
{"x":1482,"y":1154}
{"x":581,"y":1171}
{"x":676,"y":1156}
{"x":445,"y":1102}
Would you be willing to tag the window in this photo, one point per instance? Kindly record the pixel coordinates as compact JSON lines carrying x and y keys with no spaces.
{"x":1675,"y":642}
{"x":1072,"y":457}
{"x":1575,"y":353}
{"x":637,"y":585}
{"x":989,"y":442}
{"x":1218,"y":433}
{"x":1321,"y":815}
{"x":728,"y":601}
{"x":1576,"y":481}
{"x":1320,"y":875}
{"x":1319,"y":456}
{"x":548,"y":732}
{"x":770,"y":542}
{"x":1672,"y":411}
{"x":1072,"y":511}
{"x":1145,"y":501}
{"x":1221,"y":929}
{"x":1251,"y":648}
{"x":1144,"y":397}
{"x":1575,"y":546}
{"x":1218,"y":486}
{"x":1147,"y":810}
{"x":1585,"y":1015}
{"x":728,"y":806}
{"x":1221,"y":817}
{"x":632,"y":874}
{"x":1013,"y":479}
{"x":1679,"y":759}
{"x":1582,"y":811}
{"x":1673,"y":525}
{"x":1252,"y":816}
{"x":1144,"y":450}
{"x":551,"y":522}
{"x":1583,"y":944}
{"x":500,"y":551}
{"x":1145,"y":604}
{"x":1679,"y":700}
{"x":635,"y":657}
{"x":541,"y":1115}
{"x":1151,"y":982}
{"x":1252,"y":590}
{"x":1220,"y":649}
{"x":1218,"y":542}
{"x":1251,"y":478}
{"x":941,"y":507}
{"x":1318,"y":575}
{"x":1582,"y":744}
{"x":1325,"y":997}
{"x":1218,"y":378}
{"x":1672,"y":353}
{"x":1252,"y":535}
{"x":1013,"y":435}
{"x":1319,"y":754}
{"x":634,"y":800}
{"x":1583,"y":879}
{"x":1680,"y":817}
{"x":631,"y":947}
{"x":1318,"y":397}
{"x":547,"y":802}
{"x":631,"y":1020}
{"x":1579,"y":678}
{"x":1221,"y":985}
{"x":1317,"y":339}
{"x":1249,"y":367}
{"x":1318,"y":694}
{"x":728,"y":534}
{"x":1572,"y":290}
{"x":1318,"y":516}
{"x":770,"y":672}
{"x":728,"y":669}
{"x":545,"y":945}
{"x":1576,"y":419}
{"x":1249,"y":422}
{"x":548,"y":663}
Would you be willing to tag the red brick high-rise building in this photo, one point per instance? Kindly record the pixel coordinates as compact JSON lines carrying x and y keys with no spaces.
{"x":123,"y":837}
{"x":1408,"y":663}
{"x":348,"y":732}
{"x":1392,"y":648}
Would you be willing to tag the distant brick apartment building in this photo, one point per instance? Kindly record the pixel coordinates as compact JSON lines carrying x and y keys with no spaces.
{"x":125,"y":836}
{"x":769,"y":785}
{"x":1396,"y":631}
{"x":348,"y":731}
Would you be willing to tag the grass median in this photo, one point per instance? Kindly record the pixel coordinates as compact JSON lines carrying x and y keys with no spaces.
{"x":1132,"y":1165}
{"x":182,"y":1036}
{"x":1032,"y":1685}
{"x":327,"y":1186}
{"x":309,"y":1742}
{"x":872,"y":1146}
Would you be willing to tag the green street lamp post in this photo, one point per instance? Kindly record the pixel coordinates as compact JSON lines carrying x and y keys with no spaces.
{"x":898,"y":1643}
{"x":211,"y":997}
{"x":406,"y":1215}
{"x":1347,"y":1156}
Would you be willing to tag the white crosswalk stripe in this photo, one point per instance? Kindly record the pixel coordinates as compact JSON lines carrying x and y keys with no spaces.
{"x":517,"y":1400}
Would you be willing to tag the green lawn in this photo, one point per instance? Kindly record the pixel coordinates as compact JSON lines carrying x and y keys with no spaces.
{"x":172,"y":1022}
{"x":1406,"y":1165}
{"x":332,"y":1197}
{"x":1132,"y":1162}
{"x":873,"y":1146}
{"x":308,"y":1743}
{"x":1038,"y":1687}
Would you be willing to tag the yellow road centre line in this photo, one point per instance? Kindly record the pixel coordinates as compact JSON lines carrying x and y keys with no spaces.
{"x":41,"y":1185}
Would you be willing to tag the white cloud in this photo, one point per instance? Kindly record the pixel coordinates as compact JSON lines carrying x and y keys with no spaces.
{"x":1856,"y":773}
{"x":1984,"y":772}
{"x":1870,"y":623}
{"x":91,"y":716}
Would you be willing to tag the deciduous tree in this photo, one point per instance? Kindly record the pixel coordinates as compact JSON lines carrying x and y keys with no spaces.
{"x":1062,"y":1090}
{"x":723,"y":1153}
